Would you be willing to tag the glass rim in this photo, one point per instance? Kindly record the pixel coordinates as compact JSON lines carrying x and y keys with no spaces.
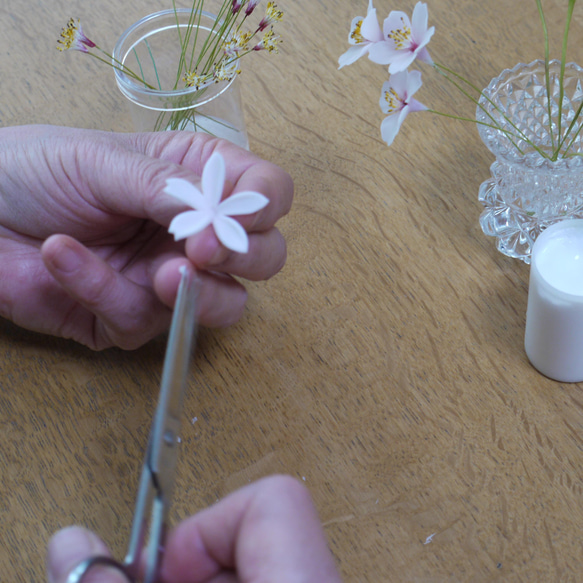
{"x":131,"y":88}
{"x":521,"y":69}
{"x":497,"y":142}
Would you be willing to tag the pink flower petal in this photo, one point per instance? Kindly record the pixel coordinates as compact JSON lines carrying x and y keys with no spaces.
{"x":391,"y":125}
{"x":396,"y":104}
{"x":370,"y":28}
{"x":415,"y":105}
{"x":352,"y":55}
{"x":413,"y":83}
{"x":402,"y":62}
{"x":382,"y":53}
{"x":397,"y":21}
{"x":419,"y":21}
{"x":400,"y":83}
{"x":423,"y":56}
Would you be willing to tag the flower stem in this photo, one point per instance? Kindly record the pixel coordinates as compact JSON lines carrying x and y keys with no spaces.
{"x":446,"y":72}
{"x":547,"y":71}
{"x":118,"y":66}
{"x":494,"y":126}
{"x":568,"y":132}
{"x":562,"y":74}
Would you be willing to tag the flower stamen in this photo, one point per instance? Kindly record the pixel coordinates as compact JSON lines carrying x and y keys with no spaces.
{"x":401,"y":36}
{"x":72,"y":37}
{"x":356,"y":34}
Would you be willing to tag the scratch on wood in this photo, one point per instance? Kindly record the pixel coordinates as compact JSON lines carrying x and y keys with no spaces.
{"x":345,"y":518}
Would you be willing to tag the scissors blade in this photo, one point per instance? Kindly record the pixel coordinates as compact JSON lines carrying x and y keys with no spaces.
{"x":157,"y":479}
{"x":164,"y":451}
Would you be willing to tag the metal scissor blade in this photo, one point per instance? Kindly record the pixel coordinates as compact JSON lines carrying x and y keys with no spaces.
{"x":157,"y":479}
{"x":163,"y":452}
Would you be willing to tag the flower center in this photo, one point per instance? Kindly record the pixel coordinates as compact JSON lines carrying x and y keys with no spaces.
{"x":393,"y":100}
{"x":401,"y":36}
{"x":356,"y":35}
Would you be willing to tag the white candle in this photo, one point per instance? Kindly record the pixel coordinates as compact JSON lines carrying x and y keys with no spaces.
{"x":554,"y":317}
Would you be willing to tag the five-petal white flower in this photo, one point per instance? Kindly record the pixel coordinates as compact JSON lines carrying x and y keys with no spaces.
{"x":406,"y":40}
{"x":208,"y":208}
{"x":397,"y":101}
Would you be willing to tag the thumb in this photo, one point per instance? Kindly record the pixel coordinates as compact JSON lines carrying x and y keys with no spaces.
{"x":69,"y":547}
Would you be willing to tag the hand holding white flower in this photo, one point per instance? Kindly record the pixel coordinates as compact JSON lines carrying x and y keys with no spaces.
{"x":208,"y":208}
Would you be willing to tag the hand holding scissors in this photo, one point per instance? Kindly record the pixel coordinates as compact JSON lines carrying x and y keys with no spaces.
{"x":266,"y":531}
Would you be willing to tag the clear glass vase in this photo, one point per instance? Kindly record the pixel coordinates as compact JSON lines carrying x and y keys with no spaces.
{"x":528,"y":190}
{"x":159,"y":100}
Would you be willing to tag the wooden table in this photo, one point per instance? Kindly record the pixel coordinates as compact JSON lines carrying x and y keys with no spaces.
{"x":384,"y":366}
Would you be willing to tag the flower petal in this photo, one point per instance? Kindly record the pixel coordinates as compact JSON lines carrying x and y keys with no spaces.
{"x":355,"y":33}
{"x":415,"y":105}
{"x":397,"y":26}
{"x":352,"y":55}
{"x":400,"y":83}
{"x":243,"y":203}
{"x":413,"y":83}
{"x":391,"y":125}
{"x":390,"y":101}
{"x":189,"y":223}
{"x":213,"y":179}
{"x":423,"y":56}
{"x":185,"y":192}
{"x":370,"y":28}
{"x":419,"y":21}
{"x":231,"y":234}
{"x":401,"y":63}
{"x":382,"y":53}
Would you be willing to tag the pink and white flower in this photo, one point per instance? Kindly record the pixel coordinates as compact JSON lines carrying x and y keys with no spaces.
{"x":364,"y":33}
{"x":73,"y":38}
{"x":210,"y":210}
{"x":251,"y":6}
{"x":406,"y":40}
{"x":397,"y":101}
{"x":272,"y":14}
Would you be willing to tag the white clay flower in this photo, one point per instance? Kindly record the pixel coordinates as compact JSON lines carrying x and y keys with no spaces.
{"x":208,"y":208}
{"x":364,"y":33}
{"x":406,"y":40}
{"x":397,"y":101}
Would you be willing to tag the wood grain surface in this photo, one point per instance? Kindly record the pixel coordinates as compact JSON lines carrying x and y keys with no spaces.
{"x":384,"y":365}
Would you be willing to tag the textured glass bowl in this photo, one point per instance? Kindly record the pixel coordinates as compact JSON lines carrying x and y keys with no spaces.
{"x":527,"y":192}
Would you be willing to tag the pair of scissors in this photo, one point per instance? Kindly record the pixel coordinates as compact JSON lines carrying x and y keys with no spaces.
{"x":158,"y":472}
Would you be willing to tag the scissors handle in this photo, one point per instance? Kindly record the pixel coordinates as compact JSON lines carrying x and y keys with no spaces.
{"x":78,"y":573}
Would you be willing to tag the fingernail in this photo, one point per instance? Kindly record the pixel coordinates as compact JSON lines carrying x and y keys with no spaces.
{"x":67,"y":260}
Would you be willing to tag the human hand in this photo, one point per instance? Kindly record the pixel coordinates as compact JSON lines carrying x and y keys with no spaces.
{"x":267,"y":531}
{"x":84,"y":250}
